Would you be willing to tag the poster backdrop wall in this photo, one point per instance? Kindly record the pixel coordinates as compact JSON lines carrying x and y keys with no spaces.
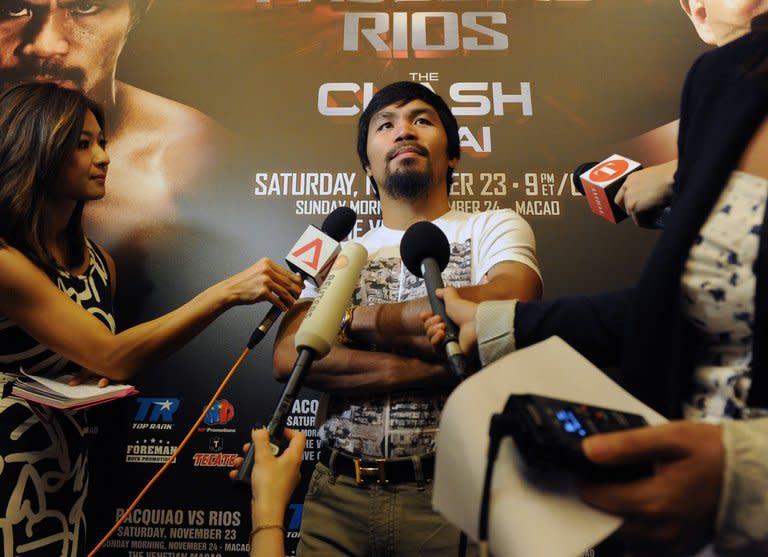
{"x":238,"y":130}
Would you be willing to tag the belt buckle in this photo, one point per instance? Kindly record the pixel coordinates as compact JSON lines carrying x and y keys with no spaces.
{"x":366,"y":473}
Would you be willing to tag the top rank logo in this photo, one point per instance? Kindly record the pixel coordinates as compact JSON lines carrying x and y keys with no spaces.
{"x":155,"y":413}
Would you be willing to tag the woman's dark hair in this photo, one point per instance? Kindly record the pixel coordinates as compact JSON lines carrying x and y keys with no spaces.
{"x":401,"y":93}
{"x":41,"y":125}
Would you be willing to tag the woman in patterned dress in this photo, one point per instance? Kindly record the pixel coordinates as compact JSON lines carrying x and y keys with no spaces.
{"x":56,"y":291}
{"x":691,"y":335}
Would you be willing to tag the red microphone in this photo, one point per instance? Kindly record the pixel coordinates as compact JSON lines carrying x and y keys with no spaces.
{"x":600,"y":183}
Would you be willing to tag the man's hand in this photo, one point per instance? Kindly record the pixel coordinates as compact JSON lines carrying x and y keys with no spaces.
{"x":673,"y":512}
{"x":461,"y":311}
{"x":646,"y":190}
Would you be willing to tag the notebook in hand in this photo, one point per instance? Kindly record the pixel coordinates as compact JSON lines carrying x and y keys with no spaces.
{"x":57,"y":393}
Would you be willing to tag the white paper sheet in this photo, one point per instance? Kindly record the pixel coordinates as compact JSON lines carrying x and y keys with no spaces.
{"x":86,"y":390}
{"x":544,"y":518}
{"x":56,"y":393}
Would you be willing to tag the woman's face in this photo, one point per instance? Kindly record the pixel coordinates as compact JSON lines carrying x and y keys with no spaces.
{"x":83,"y":176}
{"x":730,"y":19}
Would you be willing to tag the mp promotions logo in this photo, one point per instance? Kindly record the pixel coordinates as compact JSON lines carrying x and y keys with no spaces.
{"x":221,"y":413}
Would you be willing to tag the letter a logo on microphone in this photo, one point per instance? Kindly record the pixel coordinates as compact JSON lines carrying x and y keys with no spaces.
{"x":313,"y":255}
{"x":317,"y":246}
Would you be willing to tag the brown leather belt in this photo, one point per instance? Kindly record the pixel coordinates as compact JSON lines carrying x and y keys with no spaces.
{"x":364,"y":471}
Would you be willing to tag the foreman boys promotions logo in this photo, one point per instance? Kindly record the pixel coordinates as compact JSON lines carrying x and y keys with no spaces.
{"x":149,"y":451}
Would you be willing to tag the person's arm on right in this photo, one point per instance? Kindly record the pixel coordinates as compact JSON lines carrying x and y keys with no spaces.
{"x":710,"y":485}
{"x":672,"y":512}
{"x":28,"y":297}
{"x":741,"y":528}
{"x":593,"y":325}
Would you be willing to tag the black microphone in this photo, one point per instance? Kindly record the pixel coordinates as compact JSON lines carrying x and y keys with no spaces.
{"x":601,"y":181}
{"x":425,"y":252}
{"x":311,"y":257}
{"x":314,"y":339}
{"x":581,"y":169}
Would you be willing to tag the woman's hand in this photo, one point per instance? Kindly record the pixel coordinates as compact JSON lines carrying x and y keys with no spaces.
{"x":273,"y":479}
{"x":461,"y":311}
{"x":265,"y":281}
{"x":83,"y":375}
{"x":646,"y":191}
{"x":672,"y":512}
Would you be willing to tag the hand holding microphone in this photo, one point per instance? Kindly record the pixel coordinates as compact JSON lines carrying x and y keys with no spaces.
{"x":265,"y":281}
{"x":646,"y":194}
{"x":311,"y":257}
{"x":314,"y":339}
{"x":603,"y":184}
{"x":425,"y":252}
{"x":275,"y":478}
{"x":600,"y":182}
{"x":462,"y":312}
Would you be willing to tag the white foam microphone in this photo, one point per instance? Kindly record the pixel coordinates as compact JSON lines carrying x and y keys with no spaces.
{"x":314,"y":339}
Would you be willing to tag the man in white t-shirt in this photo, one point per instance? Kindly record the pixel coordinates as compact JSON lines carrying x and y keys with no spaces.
{"x":384,"y":386}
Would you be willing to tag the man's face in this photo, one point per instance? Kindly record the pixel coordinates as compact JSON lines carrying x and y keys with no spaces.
{"x":721,"y":21}
{"x":75,"y":43}
{"x":408,"y":148}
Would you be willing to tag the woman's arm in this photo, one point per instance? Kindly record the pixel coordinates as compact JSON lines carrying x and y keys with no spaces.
{"x":273,"y":480}
{"x":28,"y":297}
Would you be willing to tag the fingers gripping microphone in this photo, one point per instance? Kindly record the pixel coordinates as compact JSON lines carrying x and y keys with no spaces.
{"x":425,"y":252}
{"x":312,"y":257}
{"x":314,"y":339}
{"x":601,"y":181}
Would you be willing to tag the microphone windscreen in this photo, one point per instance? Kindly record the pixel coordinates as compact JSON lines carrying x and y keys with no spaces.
{"x":581,"y":169}
{"x":421,"y":241}
{"x":339,"y":223}
{"x":320,"y":326}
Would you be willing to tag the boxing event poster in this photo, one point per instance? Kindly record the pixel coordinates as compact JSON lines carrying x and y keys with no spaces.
{"x":236,"y":125}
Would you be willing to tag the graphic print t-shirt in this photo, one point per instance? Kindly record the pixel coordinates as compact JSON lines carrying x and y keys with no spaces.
{"x":404,"y":423}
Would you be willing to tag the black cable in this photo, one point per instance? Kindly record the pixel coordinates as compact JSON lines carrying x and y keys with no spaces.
{"x":462,"y":544}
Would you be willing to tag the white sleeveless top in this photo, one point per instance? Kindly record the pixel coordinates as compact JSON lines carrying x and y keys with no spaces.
{"x":718,"y":295}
